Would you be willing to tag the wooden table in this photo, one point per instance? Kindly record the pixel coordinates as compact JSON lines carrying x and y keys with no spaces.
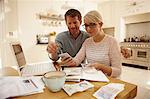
{"x":129,"y":92}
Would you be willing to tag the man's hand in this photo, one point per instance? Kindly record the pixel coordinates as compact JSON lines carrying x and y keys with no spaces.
{"x":52,"y":47}
{"x":57,"y":66}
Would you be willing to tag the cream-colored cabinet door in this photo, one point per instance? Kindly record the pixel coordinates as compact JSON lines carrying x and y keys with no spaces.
{"x":108,"y":13}
{"x":133,"y":7}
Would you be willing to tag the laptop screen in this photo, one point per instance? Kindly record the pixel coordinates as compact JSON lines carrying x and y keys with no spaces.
{"x":19,"y":54}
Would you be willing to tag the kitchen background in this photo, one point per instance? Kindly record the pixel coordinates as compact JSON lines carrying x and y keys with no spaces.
{"x":25,"y":20}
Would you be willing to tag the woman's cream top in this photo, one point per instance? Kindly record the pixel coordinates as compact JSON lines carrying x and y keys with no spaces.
{"x":106,"y":52}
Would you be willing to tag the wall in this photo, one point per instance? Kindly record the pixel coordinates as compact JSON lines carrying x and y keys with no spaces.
{"x":29,"y":26}
{"x":1,"y":28}
{"x":137,"y":25}
{"x":9,"y":24}
{"x":138,"y":30}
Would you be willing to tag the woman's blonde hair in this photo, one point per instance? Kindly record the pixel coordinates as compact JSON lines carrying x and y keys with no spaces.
{"x":93,"y":16}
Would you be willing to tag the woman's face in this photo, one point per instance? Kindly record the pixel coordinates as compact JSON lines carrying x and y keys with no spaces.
{"x":92,"y":28}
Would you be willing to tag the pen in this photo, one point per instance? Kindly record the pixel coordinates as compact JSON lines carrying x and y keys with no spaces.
{"x":58,"y":45}
{"x":33,"y":83}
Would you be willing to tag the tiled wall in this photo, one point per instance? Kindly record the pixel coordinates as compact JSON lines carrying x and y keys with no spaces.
{"x":138,"y":29}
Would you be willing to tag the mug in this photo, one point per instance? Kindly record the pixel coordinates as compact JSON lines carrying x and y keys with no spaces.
{"x":54,"y":80}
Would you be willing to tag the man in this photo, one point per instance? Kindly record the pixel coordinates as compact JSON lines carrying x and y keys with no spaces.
{"x":68,"y":41}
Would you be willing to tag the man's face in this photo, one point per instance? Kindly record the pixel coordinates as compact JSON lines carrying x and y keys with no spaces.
{"x":73,"y":24}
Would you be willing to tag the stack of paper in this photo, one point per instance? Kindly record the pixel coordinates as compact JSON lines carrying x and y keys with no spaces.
{"x":20,"y":86}
{"x":109,"y":91}
{"x":79,"y":87}
{"x":73,"y":73}
{"x":87,"y":73}
{"x":90,"y":73}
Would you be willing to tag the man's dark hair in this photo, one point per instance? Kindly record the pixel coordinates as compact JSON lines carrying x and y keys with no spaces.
{"x":73,"y":13}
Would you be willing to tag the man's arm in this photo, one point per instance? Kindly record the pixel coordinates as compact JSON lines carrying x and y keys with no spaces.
{"x":52,"y":49}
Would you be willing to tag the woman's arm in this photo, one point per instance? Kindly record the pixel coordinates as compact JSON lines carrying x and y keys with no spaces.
{"x":80,"y":56}
{"x":115,"y":58}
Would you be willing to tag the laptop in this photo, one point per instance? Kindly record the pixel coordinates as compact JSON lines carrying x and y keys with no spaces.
{"x":30,"y":69}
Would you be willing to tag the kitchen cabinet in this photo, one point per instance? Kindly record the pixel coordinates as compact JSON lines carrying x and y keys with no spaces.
{"x":109,"y":31}
{"x":107,"y":10}
{"x":136,"y":7}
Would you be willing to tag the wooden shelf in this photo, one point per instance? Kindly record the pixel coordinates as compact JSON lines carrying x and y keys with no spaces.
{"x":53,"y":17}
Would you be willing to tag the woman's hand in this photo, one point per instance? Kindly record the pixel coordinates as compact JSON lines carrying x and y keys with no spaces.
{"x":97,"y":66}
{"x":126,"y":52}
{"x":68,"y":61}
{"x":105,"y":69}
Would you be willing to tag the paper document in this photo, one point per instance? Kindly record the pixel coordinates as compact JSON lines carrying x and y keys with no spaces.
{"x":79,"y":87}
{"x":109,"y":91}
{"x":73,"y":73}
{"x":37,"y":69}
{"x":20,"y":86}
{"x":94,"y":75}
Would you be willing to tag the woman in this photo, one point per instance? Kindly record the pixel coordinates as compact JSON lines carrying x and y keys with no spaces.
{"x":100,"y":50}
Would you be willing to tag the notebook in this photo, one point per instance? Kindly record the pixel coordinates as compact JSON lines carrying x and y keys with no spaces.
{"x":30,"y":69}
{"x":86,"y":73}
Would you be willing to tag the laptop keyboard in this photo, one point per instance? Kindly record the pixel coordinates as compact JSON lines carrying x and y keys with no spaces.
{"x":37,"y":69}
